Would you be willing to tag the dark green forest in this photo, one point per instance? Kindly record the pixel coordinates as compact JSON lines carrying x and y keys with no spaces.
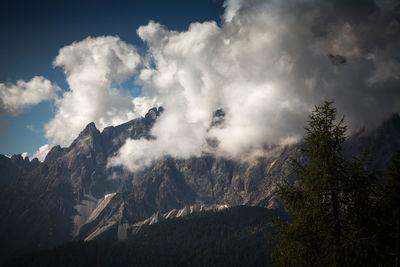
{"x":232,"y":237}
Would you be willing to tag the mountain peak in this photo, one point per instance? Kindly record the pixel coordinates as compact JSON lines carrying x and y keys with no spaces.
{"x":153,"y":113}
{"x":17,"y":158}
{"x":218,"y":118}
{"x":90,"y":129}
{"x":55,"y":152}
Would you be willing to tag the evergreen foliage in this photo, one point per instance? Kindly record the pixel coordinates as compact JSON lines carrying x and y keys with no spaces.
{"x":333,"y":202}
{"x":390,"y":207}
{"x":232,"y":237}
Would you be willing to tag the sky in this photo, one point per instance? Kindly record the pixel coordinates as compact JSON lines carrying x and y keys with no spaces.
{"x":34,"y":31}
{"x":265,"y":63}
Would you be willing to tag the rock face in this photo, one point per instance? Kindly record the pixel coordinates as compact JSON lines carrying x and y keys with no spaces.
{"x":14,"y":167}
{"x":72,"y":195}
{"x":380,"y":143}
{"x":177,"y":184}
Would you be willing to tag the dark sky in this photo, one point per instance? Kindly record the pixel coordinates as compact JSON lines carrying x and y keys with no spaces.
{"x":32,"y":32}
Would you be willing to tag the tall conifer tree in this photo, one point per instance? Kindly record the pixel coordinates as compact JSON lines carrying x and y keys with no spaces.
{"x":331,"y":202}
{"x":391,"y":213}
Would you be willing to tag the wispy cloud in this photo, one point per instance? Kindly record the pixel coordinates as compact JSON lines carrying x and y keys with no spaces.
{"x":32,"y":128}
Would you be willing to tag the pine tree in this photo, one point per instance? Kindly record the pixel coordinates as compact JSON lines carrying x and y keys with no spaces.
{"x":332,"y":202}
{"x":390,"y":206}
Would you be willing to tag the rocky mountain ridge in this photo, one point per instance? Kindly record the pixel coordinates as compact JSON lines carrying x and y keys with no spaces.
{"x":11,"y":168}
{"x":73,"y":195}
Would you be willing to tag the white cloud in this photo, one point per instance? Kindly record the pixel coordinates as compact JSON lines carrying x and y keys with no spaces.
{"x":93,"y":67}
{"x":267,"y":65}
{"x":231,"y":7}
{"x":14,"y":98}
{"x":42,"y":152}
{"x":24,"y":155}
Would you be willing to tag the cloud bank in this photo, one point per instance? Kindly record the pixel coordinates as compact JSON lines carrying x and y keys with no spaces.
{"x":266,"y":66}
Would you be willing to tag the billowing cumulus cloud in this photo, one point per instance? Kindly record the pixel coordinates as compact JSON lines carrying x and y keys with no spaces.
{"x":266,"y":66}
{"x":94,"y":68}
{"x":14,"y":98}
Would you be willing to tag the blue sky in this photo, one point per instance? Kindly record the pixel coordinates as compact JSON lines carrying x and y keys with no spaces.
{"x":34,"y":31}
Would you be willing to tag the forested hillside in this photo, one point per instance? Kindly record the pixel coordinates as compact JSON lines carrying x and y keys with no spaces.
{"x":232,"y":237}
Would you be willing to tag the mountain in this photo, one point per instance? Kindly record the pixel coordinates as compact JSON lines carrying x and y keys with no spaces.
{"x":47,"y":205}
{"x":175,"y":184}
{"x":73,"y":196}
{"x":380,"y":143}
{"x":13,"y":167}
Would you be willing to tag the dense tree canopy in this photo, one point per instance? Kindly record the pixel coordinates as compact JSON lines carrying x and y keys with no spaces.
{"x":232,"y":237}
